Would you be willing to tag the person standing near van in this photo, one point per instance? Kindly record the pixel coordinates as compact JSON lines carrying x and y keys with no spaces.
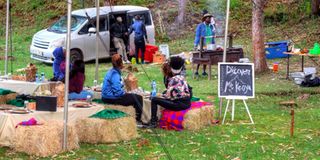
{"x":204,"y":29}
{"x":140,"y":36}
{"x":118,"y":31}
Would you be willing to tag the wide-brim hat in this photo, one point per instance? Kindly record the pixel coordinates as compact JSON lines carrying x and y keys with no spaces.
{"x":176,"y":64}
{"x":206,"y":15}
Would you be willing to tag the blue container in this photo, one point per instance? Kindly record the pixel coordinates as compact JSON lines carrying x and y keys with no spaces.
{"x":276,"y":49}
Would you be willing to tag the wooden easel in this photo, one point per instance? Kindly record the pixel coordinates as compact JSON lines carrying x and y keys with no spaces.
{"x":233,"y":106}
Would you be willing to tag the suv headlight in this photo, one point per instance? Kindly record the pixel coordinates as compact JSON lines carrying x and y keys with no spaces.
{"x":57,"y":43}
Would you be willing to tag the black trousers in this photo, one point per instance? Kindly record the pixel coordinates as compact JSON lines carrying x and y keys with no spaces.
{"x":139,"y":45}
{"x":174,"y":105}
{"x":204,"y":68}
{"x":128,"y":99}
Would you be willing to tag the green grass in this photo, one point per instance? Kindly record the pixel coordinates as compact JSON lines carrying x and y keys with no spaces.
{"x":269,"y":138}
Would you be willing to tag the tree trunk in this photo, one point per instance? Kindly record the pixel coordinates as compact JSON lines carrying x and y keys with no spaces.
{"x":315,"y":7}
{"x":182,"y":10}
{"x":259,"y":57}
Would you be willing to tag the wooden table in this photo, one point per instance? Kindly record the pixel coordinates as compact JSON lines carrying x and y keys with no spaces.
{"x":302,"y":60}
{"x":23,"y":87}
{"x":215,"y":56}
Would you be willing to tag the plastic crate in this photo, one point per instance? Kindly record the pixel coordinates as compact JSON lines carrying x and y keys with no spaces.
{"x":150,"y":51}
{"x":276,"y":49}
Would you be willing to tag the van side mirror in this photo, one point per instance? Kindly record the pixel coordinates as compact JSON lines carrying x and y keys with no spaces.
{"x":92,"y":30}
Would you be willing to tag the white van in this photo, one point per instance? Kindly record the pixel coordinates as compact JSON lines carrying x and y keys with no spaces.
{"x":83,"y":42}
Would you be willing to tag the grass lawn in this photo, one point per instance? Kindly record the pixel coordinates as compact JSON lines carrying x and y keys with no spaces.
{"x":269,"y":138}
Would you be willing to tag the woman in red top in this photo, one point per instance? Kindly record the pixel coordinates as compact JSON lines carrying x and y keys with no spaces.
{"x":76,"y":81}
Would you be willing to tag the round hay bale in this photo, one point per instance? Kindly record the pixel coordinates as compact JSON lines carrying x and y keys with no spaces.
{"x":44,"y":140}
{"x":126,"y":109}
{"x":95,"y":130}
{"x":198,"y":118}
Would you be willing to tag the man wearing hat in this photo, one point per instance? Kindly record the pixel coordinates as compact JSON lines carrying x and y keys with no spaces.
{"x":204,"y":29}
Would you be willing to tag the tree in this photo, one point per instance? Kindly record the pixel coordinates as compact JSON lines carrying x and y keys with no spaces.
{"x":259,"y":57}
{"x":181,"y":12}
{"x":315,"y":4}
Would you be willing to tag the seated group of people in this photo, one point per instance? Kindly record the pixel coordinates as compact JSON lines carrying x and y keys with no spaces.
{"x":177,"y":95}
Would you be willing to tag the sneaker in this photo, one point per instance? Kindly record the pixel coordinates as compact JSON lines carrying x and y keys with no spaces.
{"x":151,"y":125}
{"x":140,"y":124}
{"x":128,"y":62}
{"x":197,"y":74}
{"x":204,"y":74}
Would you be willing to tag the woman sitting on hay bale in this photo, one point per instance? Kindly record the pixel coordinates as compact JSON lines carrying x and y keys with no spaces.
{"x":177,"y":95}
{"x":113,"y":92}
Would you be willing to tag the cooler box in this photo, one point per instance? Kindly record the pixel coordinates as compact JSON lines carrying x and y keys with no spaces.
{"x":276,"y":49}
{"x":150,"y":51}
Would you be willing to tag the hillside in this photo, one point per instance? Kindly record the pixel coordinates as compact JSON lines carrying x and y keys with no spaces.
{"x":284,"y":19}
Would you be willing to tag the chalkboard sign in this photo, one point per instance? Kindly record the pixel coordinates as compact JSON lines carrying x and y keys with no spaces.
{"x":236,"y":80}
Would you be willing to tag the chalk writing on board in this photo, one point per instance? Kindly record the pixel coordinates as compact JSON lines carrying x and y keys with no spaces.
{"x":236,"y":80}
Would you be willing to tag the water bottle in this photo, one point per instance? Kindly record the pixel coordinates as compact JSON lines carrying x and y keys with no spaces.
{"x":95,"y":83}
{"x":89,"y":99}
{"x":154,"y":89}
{"x":26,"y":104}
{"x":43,"y":78}
{"x":37,"y":78}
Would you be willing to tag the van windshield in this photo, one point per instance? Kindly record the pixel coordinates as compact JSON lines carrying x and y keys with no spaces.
{"x":61,"y":25}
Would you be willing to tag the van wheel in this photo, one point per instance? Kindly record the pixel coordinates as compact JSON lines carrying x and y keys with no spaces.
{"x":75,"y":55}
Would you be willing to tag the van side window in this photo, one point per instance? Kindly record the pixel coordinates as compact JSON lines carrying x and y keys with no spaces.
{"x":102,"y":26}
{"x":145,"y":17}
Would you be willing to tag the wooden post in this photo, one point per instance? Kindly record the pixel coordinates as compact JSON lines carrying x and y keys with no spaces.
{"x":292,"y":121}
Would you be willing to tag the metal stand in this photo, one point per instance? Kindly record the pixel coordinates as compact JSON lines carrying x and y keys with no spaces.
{"x":232,"y":112}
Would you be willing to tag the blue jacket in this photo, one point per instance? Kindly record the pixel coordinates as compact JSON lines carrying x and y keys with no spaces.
{"x":201,"y":32}
{"x":112,"y":84}
{"x":58,"y":59}
{"x":139,"y":30}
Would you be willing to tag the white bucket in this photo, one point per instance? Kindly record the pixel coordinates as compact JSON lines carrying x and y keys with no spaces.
{"x":211,"y":47}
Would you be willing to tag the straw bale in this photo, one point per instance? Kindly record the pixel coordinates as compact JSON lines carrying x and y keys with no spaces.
{"x":126,"y":109}
{"x":5,"y":98}
{"x":95,"y":130}
{"x":44,"y":140}
{"x":198,"y":118}
{"x":59,"y":93}
{"x":11,"y":96}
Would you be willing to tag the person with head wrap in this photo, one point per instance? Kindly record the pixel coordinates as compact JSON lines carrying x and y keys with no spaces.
{"x":59,"y":55}
{"x":113,"y":92}
{"x":118,"y":32}
{"x":177,"y":95}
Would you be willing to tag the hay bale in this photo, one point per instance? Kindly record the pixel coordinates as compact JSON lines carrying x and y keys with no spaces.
{"x":126,"y":109}
{"x":198,"y":118}
{"x":95,"y":130}
{"x":5,"y":98}
{"x":44,"y":140}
